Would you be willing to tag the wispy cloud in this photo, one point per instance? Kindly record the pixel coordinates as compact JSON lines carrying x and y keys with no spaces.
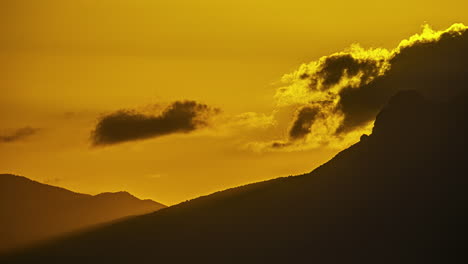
{"x":18,"y":134}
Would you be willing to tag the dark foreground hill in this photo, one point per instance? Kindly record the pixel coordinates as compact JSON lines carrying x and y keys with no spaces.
{"x":31,"y":211}
{"x":397,"y":196}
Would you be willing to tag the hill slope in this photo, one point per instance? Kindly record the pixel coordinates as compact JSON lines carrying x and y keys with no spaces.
{"x":397,"y":196}
{"x":32,"y":211}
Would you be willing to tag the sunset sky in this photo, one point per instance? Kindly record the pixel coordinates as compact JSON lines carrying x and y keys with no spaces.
{"x":68,"y":66}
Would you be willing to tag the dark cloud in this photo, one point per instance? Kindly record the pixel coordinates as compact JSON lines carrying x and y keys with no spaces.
{"x":128,"y":125}
{"x":335,"y":67}
{"x":344,"y":92}
{"x":279,"y":144}
{"x":19,"y":134}
{"x":304,"y":119}
{"x":438,"y":70}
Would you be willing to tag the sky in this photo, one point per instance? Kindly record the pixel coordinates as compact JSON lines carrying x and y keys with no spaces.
{"x":193,"y":88}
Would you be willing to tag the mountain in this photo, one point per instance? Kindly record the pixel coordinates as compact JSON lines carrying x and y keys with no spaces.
{"x":32,"y":211}
{"x":397,"y":196}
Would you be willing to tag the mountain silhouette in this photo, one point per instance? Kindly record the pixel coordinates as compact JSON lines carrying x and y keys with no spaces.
{"x":397,"y":196}
{"x":32,"y":211}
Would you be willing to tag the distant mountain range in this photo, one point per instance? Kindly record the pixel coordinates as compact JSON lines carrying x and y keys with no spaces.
{"x":397,"y":196}
{"x":31,"y":211}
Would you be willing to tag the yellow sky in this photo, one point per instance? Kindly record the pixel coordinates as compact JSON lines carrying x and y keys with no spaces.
{"x":65,"y":63}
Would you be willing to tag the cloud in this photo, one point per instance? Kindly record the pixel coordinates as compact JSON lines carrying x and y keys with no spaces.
{"x":130,"y":125}
{"x":338,"y":96}
{"x":240,"y":129}
{"x":248,"y":121}
{"x":304,"y":119}
{"x":19,"y":134}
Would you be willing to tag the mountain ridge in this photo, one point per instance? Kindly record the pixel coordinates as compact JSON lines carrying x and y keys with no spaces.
{"x":397,"y":196}
{"x":29,"y":206}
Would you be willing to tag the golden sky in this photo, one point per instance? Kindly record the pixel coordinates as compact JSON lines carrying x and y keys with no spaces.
{"x":67,"y":64}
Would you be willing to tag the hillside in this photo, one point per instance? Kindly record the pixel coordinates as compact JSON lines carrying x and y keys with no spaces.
{"x":32,"y":211}
{"x":397,"y":196}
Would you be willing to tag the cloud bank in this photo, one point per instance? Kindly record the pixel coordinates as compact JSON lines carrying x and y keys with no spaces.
{"x":130,"y":125}
{"x":19,"y":134}
{"x":338,"y":96}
